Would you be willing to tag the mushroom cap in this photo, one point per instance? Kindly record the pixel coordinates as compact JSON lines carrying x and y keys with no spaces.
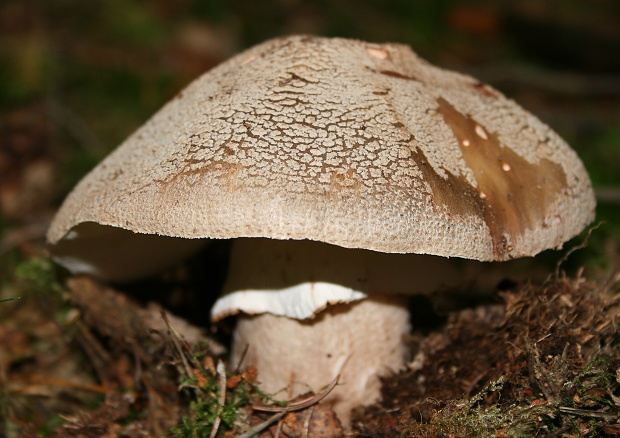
{"x":342,"y":141}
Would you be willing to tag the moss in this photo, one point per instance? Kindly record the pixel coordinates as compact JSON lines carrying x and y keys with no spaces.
{"x":38,"y":275}
{"x":555,"y":348}
{"x":205,"y":407}
{"x":466,"y":418}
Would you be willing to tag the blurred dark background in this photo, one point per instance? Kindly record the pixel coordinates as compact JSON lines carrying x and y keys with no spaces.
{"x":76,"y":77}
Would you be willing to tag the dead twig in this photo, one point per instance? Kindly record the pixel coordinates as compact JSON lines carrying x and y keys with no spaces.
{"x":264,"y":425}
{"x":307,"y":422}
{"x":551,"y":82}
{"x":302,"y":404}
{"x":608,"y":195}
{"x":278,"y":429}
{"x":221,"y":374}
{"x":587,"y":413}
{"x":99,"y":357}
{"x":245,"y":351}
{"x":538,"y":374}
{"x":282,"y":411}
{"x":582,"y":245}
{"x":177,"y":339}
{"x":18,"y":381}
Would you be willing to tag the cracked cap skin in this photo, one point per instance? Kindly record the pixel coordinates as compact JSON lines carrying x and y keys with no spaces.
{"x":346,"y":142}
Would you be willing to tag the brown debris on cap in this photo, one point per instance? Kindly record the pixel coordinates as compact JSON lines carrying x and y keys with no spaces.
{"x":341,"y":141}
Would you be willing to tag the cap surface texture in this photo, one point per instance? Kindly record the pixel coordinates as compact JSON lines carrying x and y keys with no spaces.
{"x":355,"y":144}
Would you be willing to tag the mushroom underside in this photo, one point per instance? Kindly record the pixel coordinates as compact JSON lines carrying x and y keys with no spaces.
{"x":312,"y":311}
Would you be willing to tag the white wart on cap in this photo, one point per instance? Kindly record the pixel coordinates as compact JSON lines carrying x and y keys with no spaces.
{"x":339,"y":141}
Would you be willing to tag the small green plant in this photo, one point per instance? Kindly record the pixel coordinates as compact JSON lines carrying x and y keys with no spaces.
{"x":207,"y":410}
{"x":216,"y":397}
{"x":203,"y":415}
{"x":39,"y":275}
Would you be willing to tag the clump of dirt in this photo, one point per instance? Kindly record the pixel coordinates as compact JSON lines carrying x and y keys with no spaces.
{"x":542,"y":362}
{"x":128,"y":381}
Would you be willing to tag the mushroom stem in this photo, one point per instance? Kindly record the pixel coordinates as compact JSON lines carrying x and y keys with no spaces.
{"x":361,"y":341}
{"x":311,"y":310}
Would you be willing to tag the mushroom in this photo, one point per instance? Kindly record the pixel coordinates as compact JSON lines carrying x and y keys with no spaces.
{"x":348,"y":173}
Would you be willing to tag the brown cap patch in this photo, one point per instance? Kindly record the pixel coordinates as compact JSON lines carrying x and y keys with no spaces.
{"x":513,"y":194}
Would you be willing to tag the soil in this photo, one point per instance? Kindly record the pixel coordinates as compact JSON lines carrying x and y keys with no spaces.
{"x":84,"y":359}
